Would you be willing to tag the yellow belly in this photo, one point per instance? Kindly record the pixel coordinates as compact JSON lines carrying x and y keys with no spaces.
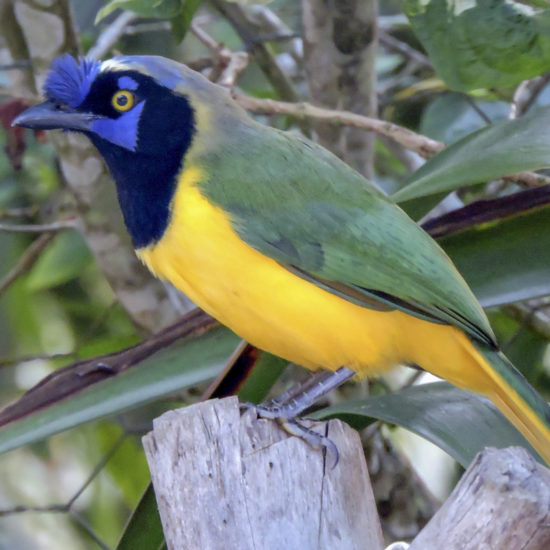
{"x":279,"y":312}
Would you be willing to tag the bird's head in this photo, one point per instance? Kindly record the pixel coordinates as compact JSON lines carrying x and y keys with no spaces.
{"x":142,"y":113}
{"x":125,"y":102}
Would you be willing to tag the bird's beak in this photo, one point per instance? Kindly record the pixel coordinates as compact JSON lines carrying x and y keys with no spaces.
{"x":49,"y":115}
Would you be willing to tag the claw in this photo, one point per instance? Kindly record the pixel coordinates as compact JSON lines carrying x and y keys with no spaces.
{"x":313,"y":439}
{"x":294,"y":402}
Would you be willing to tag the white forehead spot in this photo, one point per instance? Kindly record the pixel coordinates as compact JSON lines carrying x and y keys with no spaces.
{"x":113,"y":65}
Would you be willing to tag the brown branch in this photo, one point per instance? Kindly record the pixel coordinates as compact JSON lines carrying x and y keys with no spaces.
{"x":484,"y":211}
{"x":402,"y":47}
{"x":228,"y":64}
{"x":424,"y":146}
{"x":26,"y":261}
{"x":339,"y":42}
{"x":111,"y":35}
{"x":526,"y":94}
{"x":502,"y":501}
{"x":23,"y":212}
{"x":77,"y":376}
{"x":534,"y":313}
{"x":40,"y":228}
{"x":239,"y":18}
{"x":66,"y":507}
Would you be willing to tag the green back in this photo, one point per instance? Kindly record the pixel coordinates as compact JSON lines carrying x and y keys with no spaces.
{"x":294,"y":201}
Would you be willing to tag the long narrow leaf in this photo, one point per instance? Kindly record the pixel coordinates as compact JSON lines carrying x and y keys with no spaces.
{"x":144,"y":530}
{"x":183,"y":364}
{"x":506,"y":261}
{"x":459,"y":422}
{"x":500,"y":149}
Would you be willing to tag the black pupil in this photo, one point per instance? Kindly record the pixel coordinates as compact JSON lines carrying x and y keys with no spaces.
{"x":122,"y":100}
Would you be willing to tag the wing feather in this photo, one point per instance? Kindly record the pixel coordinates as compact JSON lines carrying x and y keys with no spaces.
{"x":311,"y":212}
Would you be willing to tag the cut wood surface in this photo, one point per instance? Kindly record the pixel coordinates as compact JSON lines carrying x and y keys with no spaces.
{"x":232,"y":481}
{"x":501,"y":503}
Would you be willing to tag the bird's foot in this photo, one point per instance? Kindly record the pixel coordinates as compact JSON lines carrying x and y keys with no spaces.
{"x":286,"y":408}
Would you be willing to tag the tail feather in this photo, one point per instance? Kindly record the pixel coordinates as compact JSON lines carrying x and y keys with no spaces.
{"x":517,"y":399}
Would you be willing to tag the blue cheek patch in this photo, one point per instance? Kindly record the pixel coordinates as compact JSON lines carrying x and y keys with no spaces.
{"x":122,"y":131}
{"x":127,"y":83}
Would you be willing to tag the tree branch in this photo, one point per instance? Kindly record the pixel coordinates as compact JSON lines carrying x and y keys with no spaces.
{"x":26,"y":261}
{"x":44,"y":31}
{"x":340,"y":41}
{"x":108,"y":38}
{"x":77,"y":376}
{"x":424,"y":146}
{"x":39,"y":228}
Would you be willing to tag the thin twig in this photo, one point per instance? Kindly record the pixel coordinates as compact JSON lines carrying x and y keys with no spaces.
{"x":66,"y":507}
{"x":519,"y":94}
{"x":98,"y":467}
{"x":111,"y":34}
{"x":473,"y":104}
{"x":239,"y":17}
{"x":153,"y":26}
{"x":424,"y":146}
{"x":83,"y":338}
{"x":40,"y":228}
{"x":22,"y":212}
{"x":89,"y":530}
{"x":16,"y":65}
{"x":7,"y":361}
{"x":26,"y":261}
{"x":228,"y":64}
{"x":214,"y":46}
{"x":526,"y":94}
{"x":533,"y":314}
{"x":402,"y":47}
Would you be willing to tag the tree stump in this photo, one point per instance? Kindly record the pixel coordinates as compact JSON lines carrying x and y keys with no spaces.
{"x":502,"y":502}
{"x":232,"y":481}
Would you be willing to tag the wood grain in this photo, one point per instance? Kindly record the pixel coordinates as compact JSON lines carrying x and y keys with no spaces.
{"x":232,"y":481}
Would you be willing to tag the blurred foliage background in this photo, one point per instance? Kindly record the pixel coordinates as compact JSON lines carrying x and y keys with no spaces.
{"x":471,"y":75}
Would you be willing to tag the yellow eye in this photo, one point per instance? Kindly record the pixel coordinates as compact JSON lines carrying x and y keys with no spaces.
{"x":123,"y":100}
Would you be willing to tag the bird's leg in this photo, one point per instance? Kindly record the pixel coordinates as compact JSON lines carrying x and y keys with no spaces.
{"x":295,"y":401}
{"x":299,"y":398}
{"x":296,"y":390}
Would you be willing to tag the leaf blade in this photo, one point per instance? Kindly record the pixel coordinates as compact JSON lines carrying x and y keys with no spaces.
{"x":503,"y":148}
{"x":179,"y":366}
{"x":459,"y":422}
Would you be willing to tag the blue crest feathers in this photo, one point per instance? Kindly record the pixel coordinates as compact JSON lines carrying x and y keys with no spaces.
{"x":69,"y":80}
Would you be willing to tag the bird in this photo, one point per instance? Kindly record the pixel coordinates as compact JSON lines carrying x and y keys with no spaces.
{"x":276,"y":237}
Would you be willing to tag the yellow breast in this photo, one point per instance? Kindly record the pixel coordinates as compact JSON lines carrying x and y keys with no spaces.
{"x":277,"y":311}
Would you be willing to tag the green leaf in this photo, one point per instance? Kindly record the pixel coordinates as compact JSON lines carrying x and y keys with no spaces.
{"x":181,"y":22}
{"x":185,"y":363}
{"x":451,"y":116}
{"x":459,"y":422}
{"x":524,"y":346}
{"x":503,"y":148}
{"x":506,"y":261}
{"x":144,"y":529}
{"x":482,"y":43}
{"x":264,"y":374}
{"x":64,"y":259}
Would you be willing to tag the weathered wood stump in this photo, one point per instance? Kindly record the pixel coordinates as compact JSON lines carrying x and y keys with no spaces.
{"x":231,"y":481}
{"x":502,"y":502}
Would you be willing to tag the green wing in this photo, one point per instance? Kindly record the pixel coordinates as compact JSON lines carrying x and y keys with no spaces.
{"x":297,"y":203}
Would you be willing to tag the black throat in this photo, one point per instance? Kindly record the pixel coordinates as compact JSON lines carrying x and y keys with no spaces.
{"x":146,"y":178}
